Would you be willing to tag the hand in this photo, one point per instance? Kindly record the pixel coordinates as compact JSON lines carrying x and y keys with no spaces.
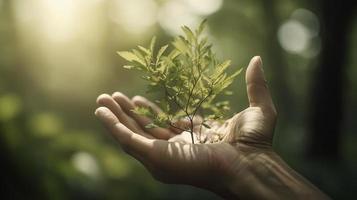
{"x":231,"y":154}
{"x":170,"y":156}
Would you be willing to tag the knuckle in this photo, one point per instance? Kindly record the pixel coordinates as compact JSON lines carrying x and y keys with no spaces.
{"x":271,"y":111}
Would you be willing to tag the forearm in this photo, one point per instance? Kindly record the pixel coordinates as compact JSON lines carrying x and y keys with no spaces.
{"x":269,"y":177}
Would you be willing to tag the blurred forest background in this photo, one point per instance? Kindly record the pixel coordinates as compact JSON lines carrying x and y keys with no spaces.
{"x":57,"y":56}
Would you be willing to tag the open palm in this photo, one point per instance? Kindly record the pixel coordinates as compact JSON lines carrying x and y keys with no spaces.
{"x":224,"y":150}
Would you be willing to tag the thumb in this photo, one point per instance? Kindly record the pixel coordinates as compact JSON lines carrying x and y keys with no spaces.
{"x":257,"y":88}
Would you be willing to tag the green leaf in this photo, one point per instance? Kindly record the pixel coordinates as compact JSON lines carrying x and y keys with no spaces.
{"x":228,"y":92}
{"x":221,"y":68}
{"x":161,"y":120}
{"x":222,"y":103}
{"x":145,"y":50}
{"x":129,"y":56}
{"x":206,"y":125}
{"x":153,"y":88}
{"x":161,"y":51}
{"x":181,"y":45}
{"x":236,"y":73}
{"x":189,"y":34}
{"x":202,"y":26}
{"x":202,"y":45}
{"x":144,"y":111}
{"x":139,"y":55}
{"x":173,"y":55}
{"x":152,"y":44}
{"x":151,"y":125}
{"x":128,"y":67}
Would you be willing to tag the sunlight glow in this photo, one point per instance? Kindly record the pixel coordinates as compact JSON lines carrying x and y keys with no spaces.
{"x":205,"y":7}
{"x":135,"y":16}
{"x":174,"y":14}
{"x":59,"y":23}
{"x":62,"y":40}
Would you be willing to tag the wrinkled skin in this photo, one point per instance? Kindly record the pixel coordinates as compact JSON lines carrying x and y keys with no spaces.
{"x":226,"y":150}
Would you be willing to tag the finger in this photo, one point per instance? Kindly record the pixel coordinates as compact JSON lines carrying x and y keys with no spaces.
{"x":108,"y":101}
{"x":145,"y":102}
{"x":134,"y":144}
{"x":143,"y":121}
{"x":177,"y":126}
{"x":257,"y":88}
{"x":180,"y":126}
{"x":128,"y":106}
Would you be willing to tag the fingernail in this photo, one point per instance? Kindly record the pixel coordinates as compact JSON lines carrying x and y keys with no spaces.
{"x":260,"y":59}
{"x":100,"y":112}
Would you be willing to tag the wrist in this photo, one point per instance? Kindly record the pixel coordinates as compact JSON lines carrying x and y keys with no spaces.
{"x":264,"y":175}
{"x":247,"y":181}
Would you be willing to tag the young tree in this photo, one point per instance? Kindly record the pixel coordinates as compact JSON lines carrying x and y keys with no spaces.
{"x":189,"y":77}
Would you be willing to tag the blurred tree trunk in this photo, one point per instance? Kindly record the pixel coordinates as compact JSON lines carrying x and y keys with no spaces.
{"x":275,"y":60}
{"x":329,"y":80}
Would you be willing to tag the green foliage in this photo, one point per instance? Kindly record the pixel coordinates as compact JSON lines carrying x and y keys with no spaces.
{"x":189,"y":76}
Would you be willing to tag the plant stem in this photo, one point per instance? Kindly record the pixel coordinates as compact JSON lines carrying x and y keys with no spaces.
{"x":181,"y":129}
{"x":191,"y":131}
{"x":199,"y":105}
{"x":174,"y":100}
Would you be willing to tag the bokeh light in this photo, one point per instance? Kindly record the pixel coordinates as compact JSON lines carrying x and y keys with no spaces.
{"x":86,"y":164}
{"x":309,"y":19}
{"x":46,"y":124}
{"x":10,"y":106}
{"x":294,"y":36}
{"x":300,"y":34}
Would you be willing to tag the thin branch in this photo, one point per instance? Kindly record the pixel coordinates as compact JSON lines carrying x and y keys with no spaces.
{"x":191,"y":131}
{"x":191,"y":92}
{"x":192,"y":89}
{"x":196,"y":63}
{"x":172,"y":125}
{"x":175,"y":100}
{"x":199,"y":105}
